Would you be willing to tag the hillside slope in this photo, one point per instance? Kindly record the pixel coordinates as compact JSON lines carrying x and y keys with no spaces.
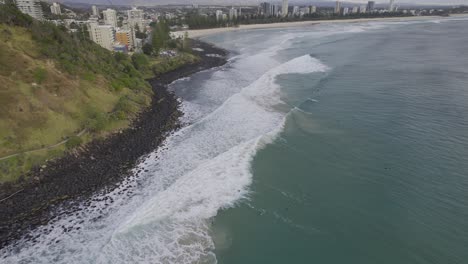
{"x":54,"y":85}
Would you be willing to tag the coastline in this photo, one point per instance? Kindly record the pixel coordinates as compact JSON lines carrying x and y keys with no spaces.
{"x":198,"y":33}
{"x":102,"y":164}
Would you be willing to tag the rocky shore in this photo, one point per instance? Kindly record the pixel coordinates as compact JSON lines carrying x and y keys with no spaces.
{"x":100,"y":165}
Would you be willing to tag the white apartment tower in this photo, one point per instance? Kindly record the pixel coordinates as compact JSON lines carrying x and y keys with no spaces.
{"x":110,"y":17}
{"x":285,"y":8}
{"x":103,"y":35}
{"x":232,"y":13}
{"x":31,"y":7}
{"x":135,"y":17}
{"x":95,"y":11}
{"x":219,"y":15}
{"x":55,"y":9}
{"x":337,"y":7}
{"x":391,"y":6}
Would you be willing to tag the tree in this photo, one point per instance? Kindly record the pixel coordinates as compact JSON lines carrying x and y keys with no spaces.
{"x":147,"y":49}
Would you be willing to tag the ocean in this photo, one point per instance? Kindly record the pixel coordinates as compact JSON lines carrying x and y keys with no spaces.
{"x":334,"y":143}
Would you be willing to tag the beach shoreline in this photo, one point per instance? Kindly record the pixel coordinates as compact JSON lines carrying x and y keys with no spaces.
{"x":55,"y":189}
{"x":198,"y":33}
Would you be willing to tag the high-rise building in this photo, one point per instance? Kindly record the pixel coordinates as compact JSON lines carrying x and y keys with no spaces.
{"x":313,"y":9}
{"x":103,"y":35}
{"x":232,"y":13}
{"x":295,"y":11}
{"x":55,"y":9}
{"x":265,"y":8}
{"x":370,"y":6}
{"x":362,"y":9}
{"x":110,"y":17}
{"x":355,"y":10}
{"x":126,"y":37}
{"x":345,"y":11}
{"x":219,"y":15}
{"x":285,"y":8}
{"x":31,"y":7}
{"x":95,"y":11}
{"x":135,"y":18}
{"x":391,"y":6}
{"x":338,"y":7}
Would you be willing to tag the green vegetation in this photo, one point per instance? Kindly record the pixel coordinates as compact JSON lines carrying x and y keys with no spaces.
{"x":196,"y":21}
{"x":73,"y":142}
{"x":152,"y":64}
{"x":54,"y":84}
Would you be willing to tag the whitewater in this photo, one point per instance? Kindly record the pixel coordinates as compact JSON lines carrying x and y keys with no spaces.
{"x":163,"y":213}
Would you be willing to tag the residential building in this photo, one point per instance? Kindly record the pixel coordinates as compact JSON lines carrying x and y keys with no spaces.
{"x":126,"y":37}
{"x":232,"y":13}
{"x":371,"y":6}
{"x":362,"y":9}
{"x":285,"y":8}
{"x":313,"y":9}
{"x":295,"y":11}
{"x":110,"y":17}
{"x":391,"y":6}
{"x":103,"y":35}
{"x":345,"y":11}
{"x":355,"y":10}
{"x":31,"y":7}
{"x":55,"y":9}
{"x":265,"y":8}
{"x":338,"y":7}
{"x":135,"y":18}
{"x":219,"y":15}
{"x":95,"y":11}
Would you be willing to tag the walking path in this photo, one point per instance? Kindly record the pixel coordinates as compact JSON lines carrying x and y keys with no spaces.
{"x":44,"y":148}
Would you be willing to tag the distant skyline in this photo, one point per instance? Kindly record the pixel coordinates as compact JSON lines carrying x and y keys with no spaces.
{"x":246,"y":2}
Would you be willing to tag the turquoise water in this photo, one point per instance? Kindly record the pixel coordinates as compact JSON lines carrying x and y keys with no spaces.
{"x":335,"y":143}
{"x":372,"y":166}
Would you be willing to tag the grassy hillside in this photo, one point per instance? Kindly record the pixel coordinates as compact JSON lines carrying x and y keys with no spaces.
{"x":54,"y":85}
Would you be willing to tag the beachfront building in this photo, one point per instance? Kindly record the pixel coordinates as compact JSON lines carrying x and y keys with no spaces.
{"x":265,"y":8}
{"x":219,"y":15}
{"x":362,"y":9}
{"x":103,"y":35}
{"x":345,"y":11}
{"x":232,"y":13}
{"x":31,"y":7}
{"x":135,"y":18}
{"x":338,"y":7}
{"x":110,"y":17}
{"x":285,"y":8}
{"x":55,"y":9}
{"x":295,"y":11}
{"x":355,"y":10}
{"x":391,"y":6}
{"x":371,"y":6}
{"x":95,"y":11}
{"x":313,"y":9}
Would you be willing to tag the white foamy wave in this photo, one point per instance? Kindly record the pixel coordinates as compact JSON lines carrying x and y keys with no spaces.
{"x":268,"y":93}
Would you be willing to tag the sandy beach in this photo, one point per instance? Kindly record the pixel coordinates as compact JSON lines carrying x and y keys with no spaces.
{"x":206,"y":32}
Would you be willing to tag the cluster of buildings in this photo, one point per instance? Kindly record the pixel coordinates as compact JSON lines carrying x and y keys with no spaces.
{"x":232,"y":14}
{"x":362,"y":9}
{"x":268,"y":9}
{"x":105,"y":28}
{"x":115,"y":32}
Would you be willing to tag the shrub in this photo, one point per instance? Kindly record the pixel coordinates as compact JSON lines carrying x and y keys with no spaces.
{"x":73,"y":142}
{"x":40,"y":74}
